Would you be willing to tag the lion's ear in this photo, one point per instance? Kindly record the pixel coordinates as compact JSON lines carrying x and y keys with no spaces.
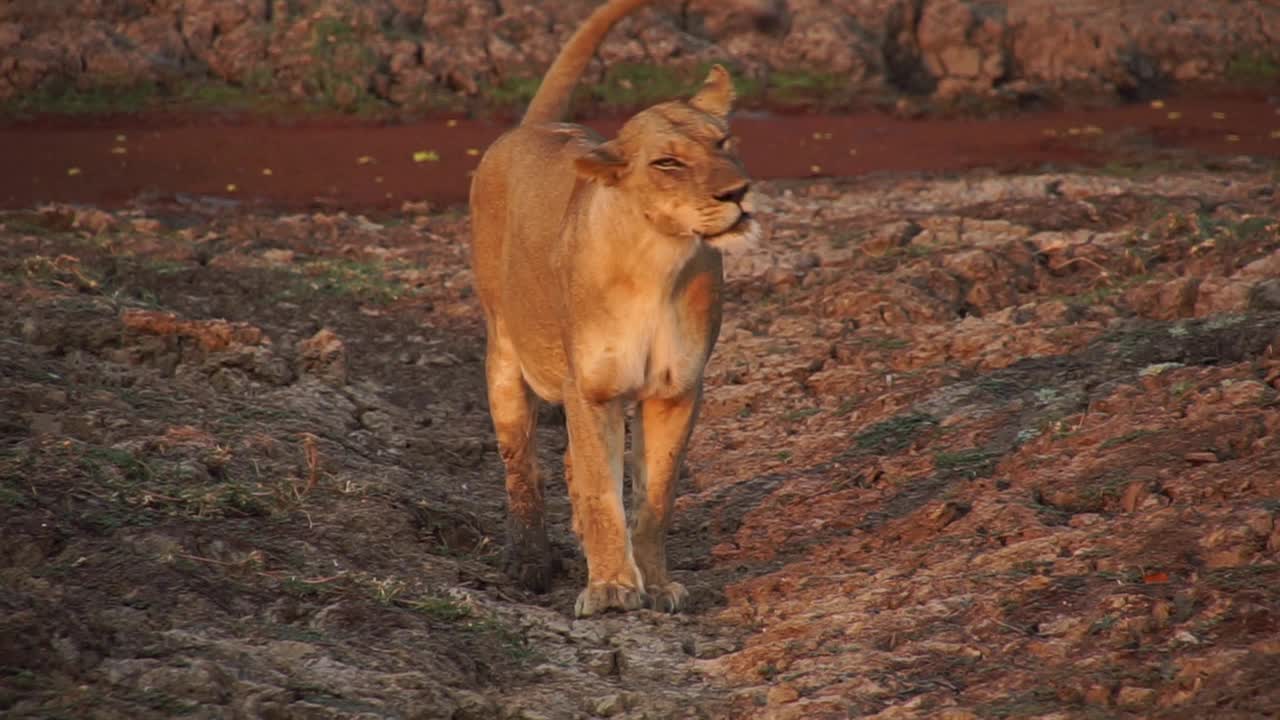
{"x":717,"y":95}
{"x":604,"y":163}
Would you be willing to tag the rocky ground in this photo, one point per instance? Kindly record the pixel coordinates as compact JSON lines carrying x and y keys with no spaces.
{"x":395,"y":56}
{"x":975,"y":446}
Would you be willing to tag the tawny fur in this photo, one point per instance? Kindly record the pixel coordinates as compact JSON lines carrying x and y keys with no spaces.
{"x":598,"y":268}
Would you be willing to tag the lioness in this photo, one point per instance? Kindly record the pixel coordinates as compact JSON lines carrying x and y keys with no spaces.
{"x":599,"y":270}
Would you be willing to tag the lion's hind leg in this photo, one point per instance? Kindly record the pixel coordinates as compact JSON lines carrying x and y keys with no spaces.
{"x":513,"y":408}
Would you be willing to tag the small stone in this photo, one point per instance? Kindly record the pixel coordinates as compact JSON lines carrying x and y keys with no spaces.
{"x":1161,"y":610}
{"x":1200,"y":458}
{"x":1098,"y":695}
{"x":1134,"y":493}
{"x":778,"y":276}
{"x":609,"y":705}
{"x":714,"y":648}
{"x":324,"y":355}
{"x":45,"y":424}
{"x":1083,"y":520}
{"x":782,"y":693}
{"x":1134,"y":697}
{"x":1186,"y":638}
{"x":605,"y":663}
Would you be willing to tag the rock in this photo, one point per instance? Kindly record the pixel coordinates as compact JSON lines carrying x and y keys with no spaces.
{"x":782,"y":693}
{"x":609,"y":706}
{"x":210,"y":335}
{"x":1265,"y":296}
{"x":95,"y":221}
{"x":1098,"y":695}
{"x":1133,"y":495}
{"x":1131,"y":696}
{"x":324,"y":355}
{"x":201,"y":681}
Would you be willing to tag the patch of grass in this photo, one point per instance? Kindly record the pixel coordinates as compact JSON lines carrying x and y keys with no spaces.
{"x":387,"y":590}
{"x":512,"y":92}
{"x":338,"y":276}
{"x":970,"y":464}
{"x":630,"y":86}
{"x":1233,"y":579}
{"x":298,"y":634}
{"x":216,"y":95}
{"x":998,"y":387}
{"x":97,"y":461}
{"x":1125,"y":439}
{"x":340,"y":68}
{"x":805,"y":87}
{"x":63,"y":271}
{"x":513,"y":643}
{"x":1119,"y":169}
{"x":844,"y":238}
{"x":1047,"y":395}
{"x":1033,"y":703}
{"x":1095,"y":495}
{"x":14,"y":497}
{"x":1102,"y":624}
{"x":802,"y":413}
{"x":298,"y":588}
{"x":140,"y":488}
{"x":440,"y":609}
{"x":1253,"y":69}
{"x":884,"y":343}
{"x":1258,"y":227}
{"x":59,"y":97}
{"x":163,"y":702}
{"x":893,"y":435}
{"x":633,"y":85}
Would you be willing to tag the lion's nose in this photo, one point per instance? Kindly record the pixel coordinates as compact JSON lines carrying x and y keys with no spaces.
{"x":735,"y":194}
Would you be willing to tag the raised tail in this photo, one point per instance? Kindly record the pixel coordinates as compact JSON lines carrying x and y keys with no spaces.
{"x":551,"y":102}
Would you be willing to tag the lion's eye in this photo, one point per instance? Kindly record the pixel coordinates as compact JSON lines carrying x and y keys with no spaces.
{"x":667,"y":163}
{"x":724,"y":142}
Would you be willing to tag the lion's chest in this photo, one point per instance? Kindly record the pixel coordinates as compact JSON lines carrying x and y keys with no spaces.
{"x":648,"y":351}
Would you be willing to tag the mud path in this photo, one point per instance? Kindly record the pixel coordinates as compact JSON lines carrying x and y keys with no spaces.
{"x":110,"y":163}
{"x":974,"y":446}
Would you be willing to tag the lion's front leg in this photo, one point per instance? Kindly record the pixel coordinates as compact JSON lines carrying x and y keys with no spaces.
{"x":660,"y":436}
{"x":596,"y":437}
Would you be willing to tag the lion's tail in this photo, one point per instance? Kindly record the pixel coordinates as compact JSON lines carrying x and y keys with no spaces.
{"x":551,"y":102}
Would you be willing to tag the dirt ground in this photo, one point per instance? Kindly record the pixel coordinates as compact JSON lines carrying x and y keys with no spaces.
{"x":976,"y":444}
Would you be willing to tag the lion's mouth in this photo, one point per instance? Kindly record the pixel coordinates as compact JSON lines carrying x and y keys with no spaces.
{"x":744,"y":233}
{"x":744,"y":218}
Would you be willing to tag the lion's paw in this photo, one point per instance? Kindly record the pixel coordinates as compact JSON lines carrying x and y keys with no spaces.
{"x":531,"y":573}
{"x":603,"y":596}
{"x":668,"y":598}
{"x":529,"y":559}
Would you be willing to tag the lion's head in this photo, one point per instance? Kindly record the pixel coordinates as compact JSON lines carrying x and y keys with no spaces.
{"x":678,"y":162}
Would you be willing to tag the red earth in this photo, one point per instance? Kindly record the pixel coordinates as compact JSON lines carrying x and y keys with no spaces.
{"x":110,"y":162}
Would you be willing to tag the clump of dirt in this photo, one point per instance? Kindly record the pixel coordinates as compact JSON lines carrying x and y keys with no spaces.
{"x":973,"y":446}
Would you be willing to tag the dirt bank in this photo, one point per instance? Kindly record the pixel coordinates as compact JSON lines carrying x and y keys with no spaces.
{"x":398,"y":56}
